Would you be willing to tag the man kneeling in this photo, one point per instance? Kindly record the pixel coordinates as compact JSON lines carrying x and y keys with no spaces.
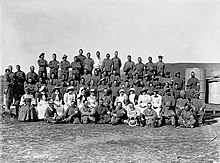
{"x":87,"y":114}
{"x":71,"y":115}
{"x":167,"y":115}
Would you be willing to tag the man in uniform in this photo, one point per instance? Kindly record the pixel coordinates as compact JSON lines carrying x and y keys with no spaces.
{"x":81,"y":58}
{"x":42,"y":65}
{"x":54,"y":66}
{"x":8,"y":89}
{"x":33,"y":75}
{"x":107,"y":64}
{"x":116,"y":63}
{"x":160,"y":65}
{"x":190,"y":91}
{"x":76,"y":68}
{"x":19,"y":86}
{"x":194,"y":81}
{"x":65,"y":65}
{"x":150,"y":67}
{"x":88,"y":63}
{"x":177,"y":79}
{"x":139,"y":67}
{"x":129,"y":67}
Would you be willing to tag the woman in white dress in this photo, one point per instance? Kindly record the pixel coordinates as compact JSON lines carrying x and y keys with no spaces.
{"x":92,"y":99}
{"x":27,"y":95}
{"x":123,"y":98}
{"x":132,"y":96}
{"x":69,"y":96}
{"x":81,"y":97}
{"x":143,"y":100}
{"x":58,"y":100}
{"x":156,"y":102}
{"x":42,"y":104}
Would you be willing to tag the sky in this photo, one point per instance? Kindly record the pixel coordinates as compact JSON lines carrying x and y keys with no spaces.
{"x":180,"y":30}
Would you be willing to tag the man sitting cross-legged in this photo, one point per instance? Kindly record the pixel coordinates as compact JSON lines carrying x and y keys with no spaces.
{"x":102,"y":113}
{"x":134,"y":115}
{"x":71,"y":115}
{"x":167,"y":115}
{"x":149,"y":116}
{"x":87,"y":114}
{"x":119,"y":115}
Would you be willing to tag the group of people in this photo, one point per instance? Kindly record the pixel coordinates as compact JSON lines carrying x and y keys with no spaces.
{"x":96,"y":91}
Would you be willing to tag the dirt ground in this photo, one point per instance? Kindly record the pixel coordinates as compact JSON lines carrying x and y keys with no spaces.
{"x":42,"y":142}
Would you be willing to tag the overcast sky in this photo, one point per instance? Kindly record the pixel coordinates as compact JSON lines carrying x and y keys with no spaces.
{"x":181,"y":30}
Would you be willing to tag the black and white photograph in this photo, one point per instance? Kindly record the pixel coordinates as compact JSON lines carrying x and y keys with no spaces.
{"x":110,"y":81}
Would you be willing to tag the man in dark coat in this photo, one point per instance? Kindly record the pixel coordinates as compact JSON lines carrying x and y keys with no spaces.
{"x":194,"y":81}
{"x":107,"y":64}
{"x":160,"y":65}
{"x":116,"y":63}
{"x":150,"y":67}
{"x":88,"y":63}
{"x":65,"y":65}
{"x":42,"y":65}
{"x":139,"y":67}
{"x":129,"y":67}
{"x":33,"y":75}
{"x":54,"y":66}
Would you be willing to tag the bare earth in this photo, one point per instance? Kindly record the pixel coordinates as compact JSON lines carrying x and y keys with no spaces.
{"x":41,"y":142}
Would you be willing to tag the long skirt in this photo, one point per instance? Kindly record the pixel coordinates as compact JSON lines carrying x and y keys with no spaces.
{"x":41,"y":107}
{"x":27,"y":114}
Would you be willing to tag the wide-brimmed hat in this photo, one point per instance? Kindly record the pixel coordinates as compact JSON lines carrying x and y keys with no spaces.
{"x":42,"y":88}
{"x":41,"y":54}
{"x":70,"y":88}
{"x":27,"y":100}
{"x":160,"y":56}
{"x":56,"y":88}
{"x":132,"y":89}
{"x":64,"y":56}
{"x":51,"y":101}
{"x":155,"y":90}
{"x":121,"y":90}
{"x":132,"y":123}
{"x":143,"y":90}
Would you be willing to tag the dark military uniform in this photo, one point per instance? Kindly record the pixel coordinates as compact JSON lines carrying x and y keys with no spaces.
{"x":54,"y":67}
{"x":102,"y":115}
{"x":42,"y":67}
{"x":107,"y":65}
{"x":150,"y":68}
{"x":150,"y":117}
{"x":33,"y":76}
{"x":88,"y":64}
{"x":117,"y":64}
{"x":129,"y":68}
{"x":65,"y":65}
{"x":76,"y":67}
{"x":160,"y":65}
{"x":195,"y":83}
{"x":140,"y":69}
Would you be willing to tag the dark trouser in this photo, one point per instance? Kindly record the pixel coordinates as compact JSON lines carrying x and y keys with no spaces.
{"x":40,"y":74}
{"x":186,"y":123}
{"x":87,"y":119}
{"x":199,"y":114}
{"x":117,"y":119}
{"x":104,"y":119}
{"x":151,"y":121}
{"x":167,"y":121}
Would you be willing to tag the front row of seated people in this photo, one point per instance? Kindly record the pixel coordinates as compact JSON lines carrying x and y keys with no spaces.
{"x":143,"y":111}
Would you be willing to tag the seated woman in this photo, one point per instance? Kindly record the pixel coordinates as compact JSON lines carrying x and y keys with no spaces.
{"x":123,"y":98}
{"x":50,"y":115}
{"x":132,"y":96}
{"x":87,"y":114}
{"x":143,"y":100}
{"x":58,"y":100}
{"x":92,"y":99}
{"x":133,"y":114}
{"x":102,"y":113}
{"x":71,"y":115}
{"x":69,"y":96}
{"x":119,"y":115}
{"x":42,"y":102}
{"x":81,"y":97}
{"x":27,"y":111}
{"x":149,"y":116}
{"x":27,"y":95}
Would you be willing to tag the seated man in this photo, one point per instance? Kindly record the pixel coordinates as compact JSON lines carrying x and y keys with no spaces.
{"x":167,"y":115}
{"x":102,"y":113}
{"x":50,"y":114}
{"x":186,"y":118}
{"x":149,"y":116}
{"x":119,"y":114}
{"x":87,"y":114}
{"x":180,"y":103}
{"x":71,"y":115}
{"x":199,"y":106}
{"x":134,"y":115}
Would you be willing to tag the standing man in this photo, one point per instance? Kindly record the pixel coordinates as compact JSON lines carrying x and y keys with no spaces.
{"x":129,"y":67}
{"x":150,"y":67}
{"x":116,"y":63}
{"x":81,"y":58}
{"x":33,"y":75}
{"x":8,"y":89}
{"x":42,"y":65}
{"x":160,"y":65}
{"x":88,"y":63}
{"x":107,"y":64}
{"x":98,"y":62}
{"x":65,"y":65}
{"x":54,"y":66}
{"x":194,"y":81}
{"x":76,"y":67}
{"x":139,"y":67}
